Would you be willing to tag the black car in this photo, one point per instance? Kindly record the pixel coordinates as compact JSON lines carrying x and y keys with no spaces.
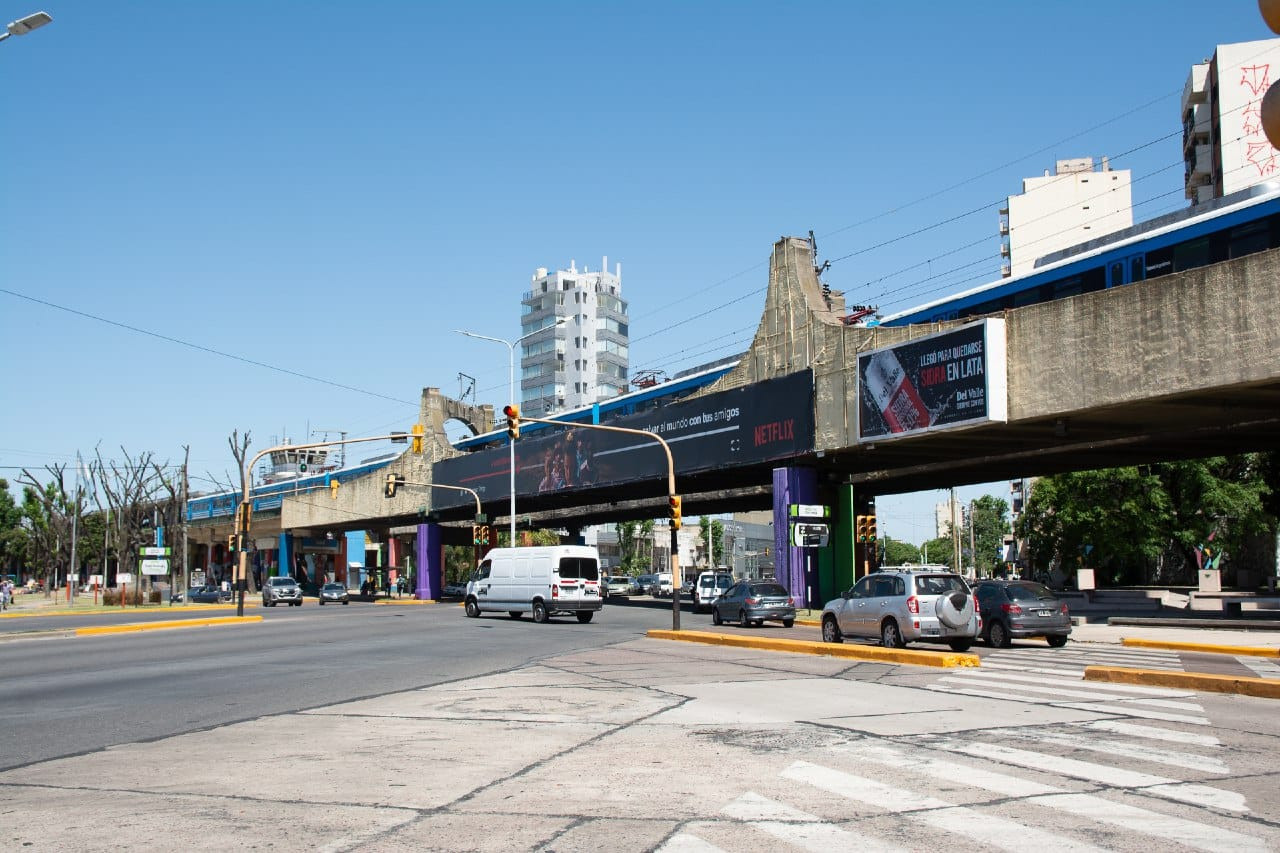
{"x":752,"y":602}
{"x":1015,"y":609}
{"x":207,"y":595}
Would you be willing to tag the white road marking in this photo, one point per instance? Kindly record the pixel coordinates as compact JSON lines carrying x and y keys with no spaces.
{"x":1262,"y":667}
{"x":683,"y":842}
{"x":1186,"y":760}
{"x":1138,"y":730}
{"x":1201,"y":795}
{"x":1133,"y":711}
{"x":987,"y":829}
{"x":1074,"y":681}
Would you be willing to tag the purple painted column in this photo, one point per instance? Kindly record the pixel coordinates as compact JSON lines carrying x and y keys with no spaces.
{"x":795,"y":568}
{"x":430,"y":556}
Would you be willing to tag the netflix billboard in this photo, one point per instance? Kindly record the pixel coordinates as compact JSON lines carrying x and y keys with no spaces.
{"x":758,"y":423}
{"x":951,"y":379}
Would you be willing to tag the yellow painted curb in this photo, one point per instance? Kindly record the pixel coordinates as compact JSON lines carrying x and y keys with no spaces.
{"x":837,"y":650}
{"x":114,"y":610}
{"x":403,"y":601}
{"x":1256,"y":651}
{"x":812,"y":623}
{"x":1265,"y":688}
{"x":164,"y":626}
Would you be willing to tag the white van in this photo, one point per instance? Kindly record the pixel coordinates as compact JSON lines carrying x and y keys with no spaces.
{"x":544,"y":581}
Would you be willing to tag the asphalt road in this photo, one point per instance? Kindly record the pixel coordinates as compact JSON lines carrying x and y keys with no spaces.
{"x":66,"y":695}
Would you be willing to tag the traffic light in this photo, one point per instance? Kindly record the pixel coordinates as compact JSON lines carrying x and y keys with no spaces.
{"x":394,"y":481}
{"x":862,"y":528}
{"x":484,"y":534}
{"x":231,"y":543}
{"x":332,"y":483}
{"x":871,"y":528}
{"x":674,"y":501}
{"x":417,"y":438}
{"x":475,"y":534}
{"x":512,"y":412}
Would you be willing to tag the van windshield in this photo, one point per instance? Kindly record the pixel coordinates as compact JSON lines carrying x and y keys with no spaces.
{"x":579,"y":568}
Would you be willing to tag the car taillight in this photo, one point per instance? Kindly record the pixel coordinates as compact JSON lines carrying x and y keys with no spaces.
{"x":913,"y":604}
{"x":791,"y":602}
{"x":977,"y":608}
{"x":555,"y":591}
{"x":753,"y":601}
{"x":1065,"y":612}
{"x":1011,"y":608}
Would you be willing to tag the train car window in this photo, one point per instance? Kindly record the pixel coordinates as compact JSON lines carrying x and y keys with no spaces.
{"x":1192,"y":254}
{"x":1137,"y":268}
{"x":1068,"y":287}
{"x":1247,"y":239}
{"x":1093,"y":279}
{"x":1159,"y":262}
{"x":1030,"y":296}
{"x":1115,"y":274}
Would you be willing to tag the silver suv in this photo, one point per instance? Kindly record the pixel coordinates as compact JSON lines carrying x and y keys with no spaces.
{"x":279,"y":589}
{"x":900,"y":606}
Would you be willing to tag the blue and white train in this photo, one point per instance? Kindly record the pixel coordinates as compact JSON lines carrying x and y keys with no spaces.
{"x":1230,"y":227}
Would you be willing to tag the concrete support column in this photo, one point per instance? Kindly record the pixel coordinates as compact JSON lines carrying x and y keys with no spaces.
{"x":355,"y":554}
{"x":795,"y":568}
{"x":430,"y":562}
{"x":843,"y":533}
{"x":575,"y":536}
{"x":394,"y":546}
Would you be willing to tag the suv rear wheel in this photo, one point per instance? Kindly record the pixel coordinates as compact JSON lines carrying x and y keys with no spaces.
{"x":890,"y":635}
{"x":960,"y":645}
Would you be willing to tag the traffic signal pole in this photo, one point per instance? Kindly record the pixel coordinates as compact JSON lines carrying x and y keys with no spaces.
{"x":244,"y":512}
{"x":674,"y":501}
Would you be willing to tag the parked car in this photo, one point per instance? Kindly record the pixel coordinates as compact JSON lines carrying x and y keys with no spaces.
{"x":334,"y":592}
{"x":662,"y":585}
{"x":280,"y":589}
{"x":752,"y":602}
{"x":903,"y":606}
{"x":207,"y":594}
{"x":709,"y":587}
{"x":456,"y":589}
{"x":647,"y":584}
{"x":620,"y":585}
{"x":1015,"y":609}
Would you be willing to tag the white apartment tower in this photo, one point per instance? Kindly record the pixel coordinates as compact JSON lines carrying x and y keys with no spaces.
{"x":584,"y":358}
{"x":1073,"y":205}
{"x":1223,"y":145}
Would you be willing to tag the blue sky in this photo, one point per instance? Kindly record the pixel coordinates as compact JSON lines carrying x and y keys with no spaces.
{"x":312,"y":196}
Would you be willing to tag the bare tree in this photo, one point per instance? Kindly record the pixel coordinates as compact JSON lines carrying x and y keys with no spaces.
{"x":172,"y":506}
{"x":134,"y":490}
{"x":51,"y":520}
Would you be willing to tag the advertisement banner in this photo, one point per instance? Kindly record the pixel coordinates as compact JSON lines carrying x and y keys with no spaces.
{"x":745,"y":426}
{"x":942,"y":381}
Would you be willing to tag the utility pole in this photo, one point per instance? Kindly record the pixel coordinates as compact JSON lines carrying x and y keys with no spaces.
{"x":955,"y":534}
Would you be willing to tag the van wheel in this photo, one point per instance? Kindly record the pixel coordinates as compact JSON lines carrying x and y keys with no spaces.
{"x":472,"y":608}
{"x":584,"y":616}
{"x":539,"y":612}
{"x":514,"y":614}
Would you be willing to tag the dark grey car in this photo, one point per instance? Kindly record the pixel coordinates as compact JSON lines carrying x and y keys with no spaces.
{"x":752,"y":602}
{"x":1015,"y":609}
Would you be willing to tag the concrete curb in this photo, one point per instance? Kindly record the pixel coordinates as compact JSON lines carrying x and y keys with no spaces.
{"x":211,"y":621}
{"x":404,"y":601}
{"x":837,"y":650}
{"x":1265,"y":688}
{"x":1256,"y":651}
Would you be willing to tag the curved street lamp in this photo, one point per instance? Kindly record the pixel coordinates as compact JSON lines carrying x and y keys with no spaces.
{"x":22,"y":26}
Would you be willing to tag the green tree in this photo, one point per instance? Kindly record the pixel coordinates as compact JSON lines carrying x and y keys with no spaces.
{"x":897,"y":552}
{"x":14,"y":538}
{"x":635,"y":545}
{"x":1126,"y":522}
{"x":716,"y":529}
{"x":990,"y":519}
{"x":940,"y":551}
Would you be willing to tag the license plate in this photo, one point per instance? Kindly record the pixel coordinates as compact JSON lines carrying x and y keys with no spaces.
{"x":1046,"y":613}
{"x":930,"y":632}
{"x":592,"y":592}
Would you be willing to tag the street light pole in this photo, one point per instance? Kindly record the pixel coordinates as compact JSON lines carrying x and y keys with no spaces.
{"x":511,"y":399}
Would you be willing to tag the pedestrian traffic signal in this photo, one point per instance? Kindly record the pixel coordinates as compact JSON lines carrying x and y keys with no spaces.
{"x":513,"y":420}
{"x":417,"y":438}
{"x":394,"y":481}
{"x":871,"y":528}
{"x":674,"y":501}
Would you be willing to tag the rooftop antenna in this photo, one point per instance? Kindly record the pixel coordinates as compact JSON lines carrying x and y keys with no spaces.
{"x":342,"y":448}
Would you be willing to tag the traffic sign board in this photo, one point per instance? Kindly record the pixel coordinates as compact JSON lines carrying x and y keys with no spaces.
{"x":154,"y":567}
{"x":153,"y":551}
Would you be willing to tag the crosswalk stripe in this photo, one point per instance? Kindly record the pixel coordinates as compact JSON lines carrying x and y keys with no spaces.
{"x":1262,"y":667}
{"x":1191,"y":833}
{"x":1151,"y":732}
{"x":1075,"y":692}
{"x":1186,"y":760}
{"x":802,"y":829}
{"x":988,"y":829}
{"x":1134,"y":711}
{"x":1200,"y":795}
